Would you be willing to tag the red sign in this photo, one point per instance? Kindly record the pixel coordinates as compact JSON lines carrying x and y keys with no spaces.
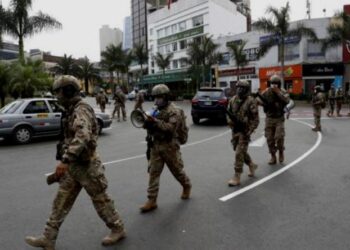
{"x":234,"y":72}
{"x":346,"y":45}
{"x":291,"y":71}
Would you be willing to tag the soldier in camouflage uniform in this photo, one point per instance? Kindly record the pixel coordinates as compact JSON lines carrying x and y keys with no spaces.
{"x":339,"y":98}
{"x":245,"y":110}
{"x":275,"y":100}
{"x":101,"y":100}
{"x":80,"y":167}
{"x":331,"y":100}
{"x":165,"y":147}
{"x":139,"y":100}
{"x":119,"y":104}
{"x":318,"y":101}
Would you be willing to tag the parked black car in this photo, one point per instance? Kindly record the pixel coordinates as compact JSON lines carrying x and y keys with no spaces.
{"x":210,"y":103}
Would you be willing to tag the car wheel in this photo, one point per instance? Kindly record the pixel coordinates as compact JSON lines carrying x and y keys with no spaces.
{"x":23,"y":135}
{"x":195,"y":120}
{"x":99,"y":126}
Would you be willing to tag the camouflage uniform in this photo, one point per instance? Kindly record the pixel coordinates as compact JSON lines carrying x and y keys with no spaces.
{"x":339,"y":96}
{"x":139,"y":100}
{"x":101,"y":100}
{"x":318,"y":99}
{"x":249,"y":114}
{"x":331,"y":100}
{"x":85,"y":171}
{"x":274,"y":122}
{"x":119,"y":104}
{"x":165,"y":150}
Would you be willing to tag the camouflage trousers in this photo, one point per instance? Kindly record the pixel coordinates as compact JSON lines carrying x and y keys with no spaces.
{"x":93,"y":180}
{"x":331,"y":108}
{"x":339,"y":105}
{"x":317,"y":117}
{"x":240,"y":143}
{"x":117,"y":108}
{"x":274,"y":133}
{"x":169,"y":154}
{"x":102,"y":106}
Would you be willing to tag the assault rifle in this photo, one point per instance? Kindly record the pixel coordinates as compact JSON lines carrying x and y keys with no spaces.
{"x":239,"y":126}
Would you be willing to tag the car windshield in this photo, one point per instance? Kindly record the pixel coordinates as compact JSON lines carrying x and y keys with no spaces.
{"x":209,"y":94}
{"x":11,"y":107}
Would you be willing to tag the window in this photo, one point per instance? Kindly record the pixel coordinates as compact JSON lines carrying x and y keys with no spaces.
{"x":291,"y":51}
{"x":197,"y":21}
{"x":168,"y":31}
{"x":168,"y":48}
{"x":55,"y":107}
{"x":182,"y":26}
{"x":175,"y":46}
{"x":161,"y":49}
{"x":11,"y":107}
{"x":183,"y":44}
{"x":152,"y":64}
{"x":183,"y":63}
{"x":35,"y":107}
{"x":160,"y":33}
{"x":175,"y":64}
{"x":197,"y":39}
{"x":174,"y":28}
{"x":225,"y":59}
{"x":315,"y":49}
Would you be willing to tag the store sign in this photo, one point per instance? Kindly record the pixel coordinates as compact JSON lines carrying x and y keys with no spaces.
{"x":323,"y":69}
{"x":346,"y":45}
{"x":277,"y":39}
{"x":181,"y":35}
{"x":252,"y":54}
{"x":168,"y":77}
{"x":292,"y":71}
{"x":234,"y":72}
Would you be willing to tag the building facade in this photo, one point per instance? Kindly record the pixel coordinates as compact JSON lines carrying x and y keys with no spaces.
{"x":127,"y":34}
{"x":9,"y":51}
{"x":109,"y":36}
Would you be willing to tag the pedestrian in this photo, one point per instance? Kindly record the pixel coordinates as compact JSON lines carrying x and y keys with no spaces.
{"x":331,"y":101}
{"x":275,"y":100}
{"x":243,"y":119}
{"x":318,"y":103}
{"x":339,"y":98}
{"x":165,"y":149}
{"x":119,"y":104}
{"x":102,"y":99}
{"x":80,"y":167}
{"x":139,"y":100}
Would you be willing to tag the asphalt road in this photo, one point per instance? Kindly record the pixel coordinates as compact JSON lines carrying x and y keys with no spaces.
{"x":303,"y":204}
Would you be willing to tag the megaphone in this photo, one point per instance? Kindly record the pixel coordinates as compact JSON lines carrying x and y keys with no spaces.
{"x":138,"y":117}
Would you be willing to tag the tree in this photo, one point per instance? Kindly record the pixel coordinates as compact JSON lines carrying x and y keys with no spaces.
{"x":87,"y":72}
{"x":237,"y":52}
{"x":279,"y":28}
{"x":141,"y":56}
{"x":338,"y":31}
{"x":5,"y":78}
{"x":128,"y":58}
{"x":112,"y":59}
{"x":2,"y":22}
{"x":163,"y":62}
{"x":20,"y":25}
{"x":28,"y":78}
{"x":67,"y":66}
{"x":205,"y":54}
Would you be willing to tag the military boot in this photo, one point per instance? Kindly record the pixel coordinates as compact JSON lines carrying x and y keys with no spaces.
{"x":235,"y":181}
{"x":273,"y":159}
{"x":40,"y":241}
{"x":186,"y":192}
{"x":316,"y":129}
{"x":252,"y":168}
{"x":281,"y":156}
{"x":150,"y":205}
{"x":113,"y":237}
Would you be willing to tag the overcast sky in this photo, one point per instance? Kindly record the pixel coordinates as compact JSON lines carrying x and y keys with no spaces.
{"x":82,"y":19}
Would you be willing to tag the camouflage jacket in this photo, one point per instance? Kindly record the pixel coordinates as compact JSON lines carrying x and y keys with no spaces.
{"x":80,"y":133}
{"x":275,"y":103}
{"x":318,"y":100}
{"x":164,"y":129}
{"x":331,"y":94}
{"x":139,"y":98}
{"x":119,"y":97}
{"x":101,"y":98}
{"x":247,"y":112}
{"x":339,"y":96}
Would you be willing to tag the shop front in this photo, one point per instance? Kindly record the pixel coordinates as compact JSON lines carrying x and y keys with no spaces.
{"x":292,"y":77}
{"x":228,"y":77}
{"x":322,"y":74}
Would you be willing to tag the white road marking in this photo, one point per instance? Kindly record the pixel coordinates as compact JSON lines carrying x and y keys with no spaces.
{"x":258,"y":142}
{"x":322,"y":118}
{"x":278,"y":172}
{"x":187,"y":145}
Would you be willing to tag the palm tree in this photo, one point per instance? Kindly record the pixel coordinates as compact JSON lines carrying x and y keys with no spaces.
{"x":20,"y":25}
{"x":279,"y":28}
{"x":141,"y":56}
{"x":4,"y":82}
{"x":205,"y":54}
{"x":163,"y":62}
{"x":338,"y":30}
{"x":28,"y":78}
{"x":128,"y":58}
{"x":67,"y":66}
{"x":112,"y":59}
{"x":87,"y":72}
{"x":237,"y":52}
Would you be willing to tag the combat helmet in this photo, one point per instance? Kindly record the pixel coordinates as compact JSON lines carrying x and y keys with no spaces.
{"x":275,"y":79}
{"x":66,"y":80}
{"x":160,"y":89}
{"x":242,"y":84}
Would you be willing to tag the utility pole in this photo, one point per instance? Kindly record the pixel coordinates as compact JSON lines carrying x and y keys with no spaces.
{"x":308,"y":9}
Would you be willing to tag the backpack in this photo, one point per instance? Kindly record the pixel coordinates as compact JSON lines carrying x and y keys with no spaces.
{"x":182,"y":129}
